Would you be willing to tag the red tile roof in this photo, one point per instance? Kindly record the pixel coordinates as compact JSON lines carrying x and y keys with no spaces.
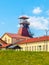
{"x":37,"y":39}
{"x":3,"y":43}
{"x":15,"y":35}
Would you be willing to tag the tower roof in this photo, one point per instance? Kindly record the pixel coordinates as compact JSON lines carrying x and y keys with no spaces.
{"x":23,"y":17}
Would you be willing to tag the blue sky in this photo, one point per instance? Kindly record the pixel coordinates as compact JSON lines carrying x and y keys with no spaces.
{"x":37,"y":10}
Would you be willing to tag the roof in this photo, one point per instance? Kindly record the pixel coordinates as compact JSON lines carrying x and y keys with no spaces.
{"x":37,"y":39}
{"x":23,"y":17}
{"x":3,"y":43}
{"x":13,"y":35}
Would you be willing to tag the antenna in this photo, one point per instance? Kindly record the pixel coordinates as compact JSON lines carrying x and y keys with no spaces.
{"x":46,"y":32}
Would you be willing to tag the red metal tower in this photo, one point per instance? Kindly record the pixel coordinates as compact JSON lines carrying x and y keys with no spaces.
{"x":24,"y":27}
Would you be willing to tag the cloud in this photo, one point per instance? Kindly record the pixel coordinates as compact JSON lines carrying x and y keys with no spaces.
{"x":37,"y":10}
{"x":47,"y":12}
{"x":39,"y":22}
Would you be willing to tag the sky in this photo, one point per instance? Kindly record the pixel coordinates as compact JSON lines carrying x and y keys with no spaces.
{"x":36,"y":10}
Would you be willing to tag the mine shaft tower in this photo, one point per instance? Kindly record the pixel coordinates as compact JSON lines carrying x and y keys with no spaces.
{"x":24,"y":27}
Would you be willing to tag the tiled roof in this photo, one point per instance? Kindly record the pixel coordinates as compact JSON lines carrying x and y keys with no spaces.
{"x":12,"y":35}
{"x":3,"y":43}
{"x":15,"y":35}
{"x":37,"y":39}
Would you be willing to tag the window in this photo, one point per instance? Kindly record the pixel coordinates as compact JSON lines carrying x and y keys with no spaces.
{"x":5,"y":39}
{"x":8,"y":40}
{"x":39,"y":48}
{"x":35,"y":48}
{"x":32,"y":48}
{"x":43,"y":47}
{"x":46,"y":47}
{"x":26,"y":48}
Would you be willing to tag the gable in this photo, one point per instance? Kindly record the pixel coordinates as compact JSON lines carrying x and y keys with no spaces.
{"x":6,"y":38}
{"x":2,"y":43}
{"x":5,"y":35}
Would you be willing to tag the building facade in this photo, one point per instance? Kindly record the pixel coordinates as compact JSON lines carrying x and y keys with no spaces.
{"x":24,"y":40}
{"x":35,"y":44}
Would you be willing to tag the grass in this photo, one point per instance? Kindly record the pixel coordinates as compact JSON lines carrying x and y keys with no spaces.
{"x":11,"y":57}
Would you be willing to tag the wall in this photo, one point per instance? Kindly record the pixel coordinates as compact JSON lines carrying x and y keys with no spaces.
{"x":14,"y":40}
{"x":7,"y":39}
{"x":35,"y":46}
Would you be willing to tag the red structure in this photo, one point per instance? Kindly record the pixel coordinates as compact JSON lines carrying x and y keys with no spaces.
{"x":24,"y":27}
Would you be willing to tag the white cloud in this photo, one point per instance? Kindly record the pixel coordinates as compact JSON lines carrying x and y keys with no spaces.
{"x":39,"y":22}
{"x":37,"y":10}
{"x":47,"y":12}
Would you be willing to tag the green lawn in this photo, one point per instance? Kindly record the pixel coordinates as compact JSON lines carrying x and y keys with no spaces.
{"x":11,"y":57}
